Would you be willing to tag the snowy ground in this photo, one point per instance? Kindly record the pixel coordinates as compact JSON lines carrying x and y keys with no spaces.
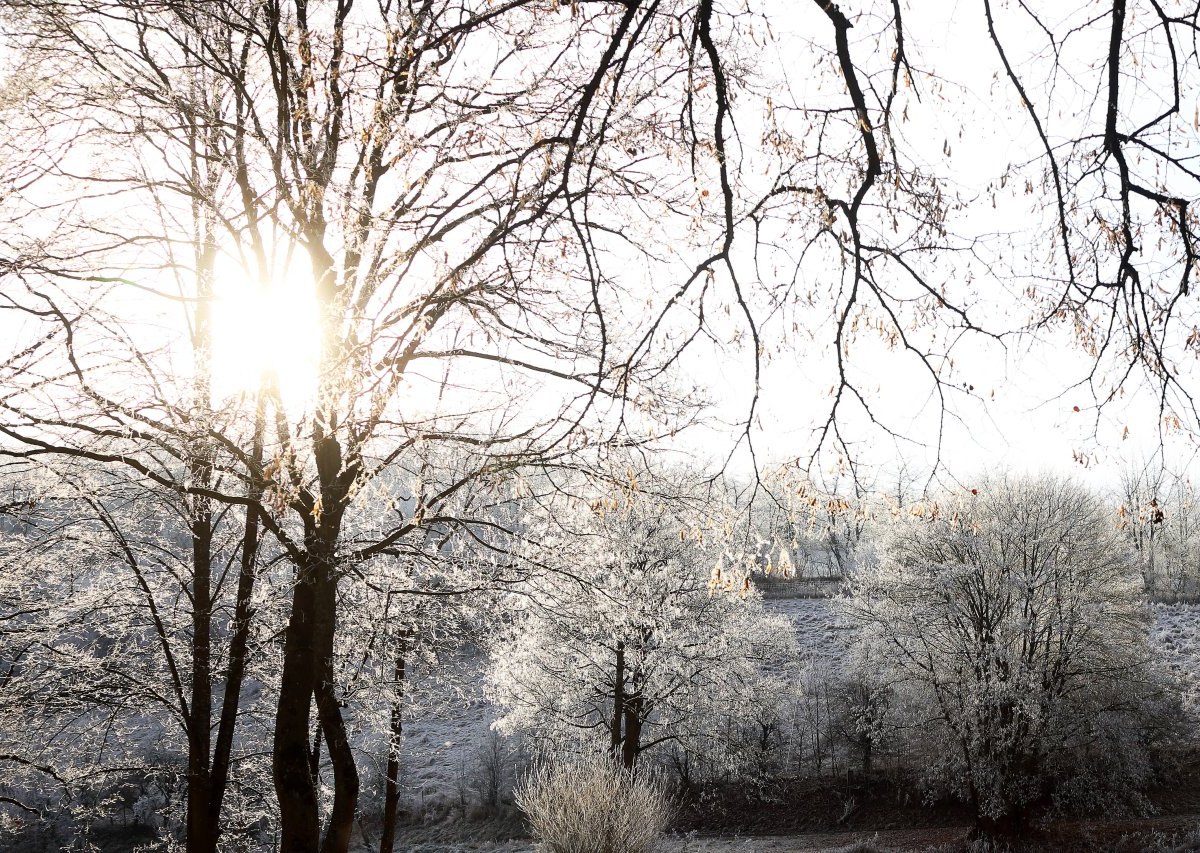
{"x":818,"y":635}
{"x":842,"y":842}
{"x":443,"y":753}
{"x":443,"y":750}
{"x":443,"y":763}
{"x":1177,"y":632}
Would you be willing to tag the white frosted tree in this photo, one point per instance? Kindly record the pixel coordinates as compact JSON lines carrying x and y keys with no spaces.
{"x":1016,"y":613}
{"x":1160,"y":516}
{"x":96,"y":633}
{"x":637,"y":629}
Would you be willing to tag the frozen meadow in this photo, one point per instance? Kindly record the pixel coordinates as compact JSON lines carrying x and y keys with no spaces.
{"x":446,"y":754}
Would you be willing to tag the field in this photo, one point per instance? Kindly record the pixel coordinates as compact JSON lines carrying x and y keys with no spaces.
{"x":446,"y":754}
{"x":1177,"y":632}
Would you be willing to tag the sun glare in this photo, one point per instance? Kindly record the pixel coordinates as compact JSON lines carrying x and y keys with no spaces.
{"x":265,"y":332}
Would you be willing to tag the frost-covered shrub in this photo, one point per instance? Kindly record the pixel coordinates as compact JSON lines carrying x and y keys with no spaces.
{"x":1013,"y":617}
{"x":592,"y":805}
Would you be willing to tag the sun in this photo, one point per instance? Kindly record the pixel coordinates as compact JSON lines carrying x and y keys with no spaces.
{"x":265,"y":332}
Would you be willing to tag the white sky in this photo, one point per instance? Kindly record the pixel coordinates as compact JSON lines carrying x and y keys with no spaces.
{"x":1015,"y":417}
{"x":1021,"y":414}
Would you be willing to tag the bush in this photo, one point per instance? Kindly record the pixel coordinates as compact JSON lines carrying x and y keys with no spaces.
{"x":1012,"y":614}
{"x":593,"y":806}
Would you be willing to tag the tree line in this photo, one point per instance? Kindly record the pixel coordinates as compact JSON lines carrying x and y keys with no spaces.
{"x":995,"y":647}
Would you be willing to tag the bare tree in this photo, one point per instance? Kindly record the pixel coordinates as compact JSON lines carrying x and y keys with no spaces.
{"x":437,"y":165}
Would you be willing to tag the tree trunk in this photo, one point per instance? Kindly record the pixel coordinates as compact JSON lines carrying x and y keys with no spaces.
{"x":201,"y":834}
{"x":391,"y":794}
{"x":308,"y":665}
{"x":308,"y":672}
{"x":333,"y":724}
{"x":633,"y":731}
{"x":295,"y":785}
{"x":618,"y":702}
{"x":235,"y":672}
